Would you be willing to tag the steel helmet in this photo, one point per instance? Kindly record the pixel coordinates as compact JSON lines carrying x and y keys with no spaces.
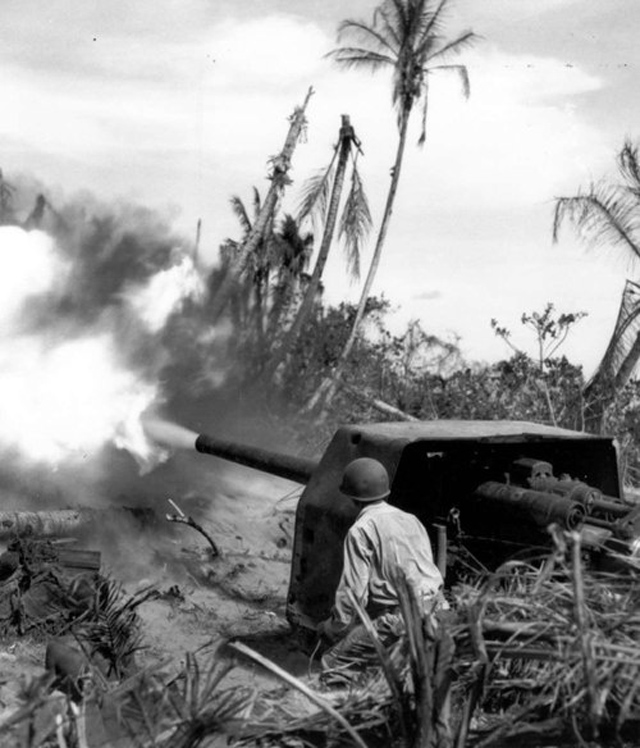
{"x":365,"y":479}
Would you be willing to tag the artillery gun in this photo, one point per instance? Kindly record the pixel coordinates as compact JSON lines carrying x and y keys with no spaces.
{"x":491,"y":487}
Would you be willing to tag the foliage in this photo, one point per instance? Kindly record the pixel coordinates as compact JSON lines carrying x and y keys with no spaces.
{"x":622,"y":422}
{"x":405,"y":36}
{"x":606,"y":215}
{"x":413,"y":371}
{"x":274,"y":273}
{"x":550,"y":331}
{"x":549,"y":650}
{"x":113,"y":629}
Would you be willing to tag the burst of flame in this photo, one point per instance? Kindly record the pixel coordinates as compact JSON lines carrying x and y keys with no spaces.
{"x":61,"y":400}
{"x":166,"y":432}
{"x":69,"y":400}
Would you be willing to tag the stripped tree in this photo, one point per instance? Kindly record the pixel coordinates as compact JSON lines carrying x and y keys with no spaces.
{"x":279,"y":178}
{"x":321,"y":202}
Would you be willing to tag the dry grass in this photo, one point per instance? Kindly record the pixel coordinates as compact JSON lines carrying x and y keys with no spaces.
{"x":544,"y":654}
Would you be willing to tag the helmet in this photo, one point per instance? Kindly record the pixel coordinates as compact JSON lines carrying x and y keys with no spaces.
{"x":365,"y":479}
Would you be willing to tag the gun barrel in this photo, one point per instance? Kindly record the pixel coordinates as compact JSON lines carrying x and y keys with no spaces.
{"x":539,"y":508}
{"x":297,"y":469}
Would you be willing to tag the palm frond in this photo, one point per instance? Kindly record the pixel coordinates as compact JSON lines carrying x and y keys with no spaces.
{"x":463,"y":74}
{"x":625,"y":334}
{"x":425,"y":107}
{"x":353,"y":57}
{"x":451,"y":48}
{"x":387,"y":29}
{"x":433,"y":19}
{"x":366,"y":34}
{"x":401,"y":18}
{"x":355,"y":222}
{"x":185,"y":711}
{"x":423,"y":23}
{"x":629,"y":167}
{"x":608,"y":214}
{"x":257,"y":201}
{"x":315,"y":196}
{"x":240,"y":211}
{"x":114,"y":629}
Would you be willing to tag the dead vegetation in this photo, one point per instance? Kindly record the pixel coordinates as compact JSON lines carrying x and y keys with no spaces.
{"x":532,"y":654}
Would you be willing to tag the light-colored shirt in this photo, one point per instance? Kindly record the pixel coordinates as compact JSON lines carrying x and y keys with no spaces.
{"x":383,"y":545}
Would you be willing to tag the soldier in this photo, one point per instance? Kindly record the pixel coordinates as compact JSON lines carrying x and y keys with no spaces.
{"x":383,"y":546}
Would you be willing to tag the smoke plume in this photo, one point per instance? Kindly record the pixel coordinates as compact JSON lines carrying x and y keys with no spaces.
{"x":85,"y":299}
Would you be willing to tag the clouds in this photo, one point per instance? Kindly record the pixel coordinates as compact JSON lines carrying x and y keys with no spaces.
{"x":519,"y":138}
{"x":225,"y":94}
{"x":430,"y":295}
{"x":183,"y":101}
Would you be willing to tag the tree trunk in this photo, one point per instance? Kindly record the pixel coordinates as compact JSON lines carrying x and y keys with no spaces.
{"x":346,"y":140}
{"x":377,"y":404}
{"x":628,"y":365}
{"x":59,"y":522}
{"x":601,"y":392}
{"x":327,"y":387}
{"x":279,"y":179}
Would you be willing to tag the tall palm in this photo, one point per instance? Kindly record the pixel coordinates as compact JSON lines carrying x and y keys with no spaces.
{"x":406,"y":38}
{"x":322,"y":200}
{"x":609,"y":215}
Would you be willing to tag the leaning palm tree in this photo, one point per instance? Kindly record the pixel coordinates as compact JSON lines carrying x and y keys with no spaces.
{"x":406,"y":38}
{"x":609,"y":215}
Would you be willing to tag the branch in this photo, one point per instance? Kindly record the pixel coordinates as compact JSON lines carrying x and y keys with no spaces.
{"x":182,"y":518}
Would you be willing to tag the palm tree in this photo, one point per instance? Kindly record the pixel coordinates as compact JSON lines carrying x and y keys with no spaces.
{"x":609,"y":214}
{"x":246,"y":296}
{"x":273,"y":270}
{"x":279,"y":178}
{"x":290,"y":257}
{"x":405,"y":37}
{"x":321,"y":199}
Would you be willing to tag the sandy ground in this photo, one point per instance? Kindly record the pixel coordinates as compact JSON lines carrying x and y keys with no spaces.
{"x":201,"y":601}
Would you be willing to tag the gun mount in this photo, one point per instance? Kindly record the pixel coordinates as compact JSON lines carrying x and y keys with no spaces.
{"x":490,"y":483}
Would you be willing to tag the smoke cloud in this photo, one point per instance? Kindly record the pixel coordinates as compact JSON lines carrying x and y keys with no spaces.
{"x":85,"y":299}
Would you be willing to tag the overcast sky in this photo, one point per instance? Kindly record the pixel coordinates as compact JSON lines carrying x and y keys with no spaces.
{"x":178,"y":104}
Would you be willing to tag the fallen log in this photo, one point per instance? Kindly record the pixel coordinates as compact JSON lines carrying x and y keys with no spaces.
{"x":379,"y":405}
{"x":55,"y":523}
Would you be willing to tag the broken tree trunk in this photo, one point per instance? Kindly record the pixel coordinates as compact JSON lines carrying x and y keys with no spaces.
{"x":56,"y":522}
{"x":377,"y":404}
{"x":346,"y":141}
{"x":279,"y":178}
